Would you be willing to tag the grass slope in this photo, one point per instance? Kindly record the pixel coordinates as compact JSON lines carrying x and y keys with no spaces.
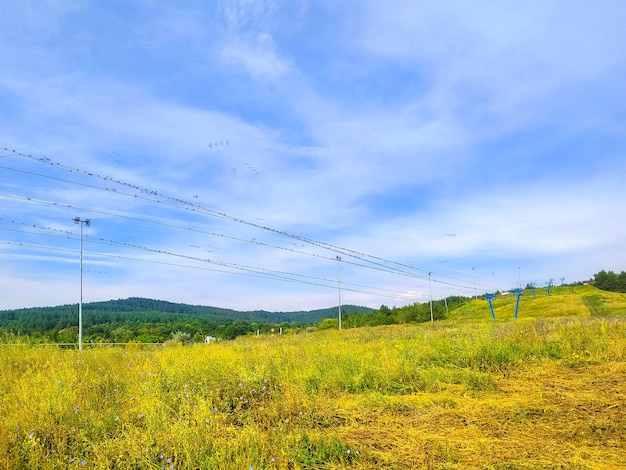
{"x":580,"y":301}
{"x":545,"y":391}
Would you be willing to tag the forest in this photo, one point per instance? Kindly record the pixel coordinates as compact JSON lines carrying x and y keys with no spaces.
{"x":152,"y":321}
{"x":155,"y":321}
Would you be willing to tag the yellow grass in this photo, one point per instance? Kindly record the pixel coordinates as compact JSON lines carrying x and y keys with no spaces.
{"x":536,"y":393}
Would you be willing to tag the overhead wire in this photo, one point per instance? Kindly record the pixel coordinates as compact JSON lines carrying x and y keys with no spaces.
{"x":382,"y":263}
{"x":201,"y":209}
{"x":248,"y":271}
{"x":375,"y":266}
{"x":271,"y":272}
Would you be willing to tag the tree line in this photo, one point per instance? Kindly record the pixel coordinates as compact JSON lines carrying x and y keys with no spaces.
{"x":153,"y":321}
{"x":414,"y":313}
{"x":610,"y":281}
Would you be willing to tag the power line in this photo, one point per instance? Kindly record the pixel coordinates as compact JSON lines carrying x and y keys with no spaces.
{"x":202,"y":209}
{"x":374,"y":266}
{"x":102,"y":241}
{"x":189,"y":206}
{"x":249,"y":271}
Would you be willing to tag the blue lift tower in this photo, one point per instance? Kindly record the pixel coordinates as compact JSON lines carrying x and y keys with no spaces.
{"x":490,"y":298}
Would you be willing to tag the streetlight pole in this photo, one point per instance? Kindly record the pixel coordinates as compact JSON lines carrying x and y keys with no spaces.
{"x":86,"y":222}
{"x":339,"y":286}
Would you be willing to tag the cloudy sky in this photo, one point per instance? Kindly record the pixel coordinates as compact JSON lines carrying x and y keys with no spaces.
{"x":228,"y":152}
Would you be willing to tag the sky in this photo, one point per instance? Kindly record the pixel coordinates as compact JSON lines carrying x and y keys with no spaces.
{"x":291,"y":155}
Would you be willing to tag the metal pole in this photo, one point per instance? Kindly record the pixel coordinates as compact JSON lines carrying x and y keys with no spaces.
{"x":80,"y":305}
{"x":519,"y":292}
{"x":475,"y":291}
{"x":86,"y":222}
{"x":339,"y":286}
{"x":431,"y":299}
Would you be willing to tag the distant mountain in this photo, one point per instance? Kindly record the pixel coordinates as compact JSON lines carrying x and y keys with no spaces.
{"x":136,"y":310}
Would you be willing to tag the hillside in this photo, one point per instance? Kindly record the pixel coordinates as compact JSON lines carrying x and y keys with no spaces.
{"x":580,"y":300}
{"x":148,"y":320}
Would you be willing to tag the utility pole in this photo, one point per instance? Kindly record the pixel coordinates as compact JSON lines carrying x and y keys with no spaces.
{"x":432,"y":319}
{"x":86,"y":222}
{"x":475,"y":291}
{"x":339,"y":286}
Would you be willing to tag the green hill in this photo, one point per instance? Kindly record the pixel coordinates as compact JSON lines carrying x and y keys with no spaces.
{"x":149,"y":320}
{"x":580,"y":300}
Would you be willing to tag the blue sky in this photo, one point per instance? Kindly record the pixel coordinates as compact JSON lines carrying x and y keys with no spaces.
{"x":227,"y":152}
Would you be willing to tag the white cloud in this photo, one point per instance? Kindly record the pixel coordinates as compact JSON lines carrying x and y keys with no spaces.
{"x":259,"y":58}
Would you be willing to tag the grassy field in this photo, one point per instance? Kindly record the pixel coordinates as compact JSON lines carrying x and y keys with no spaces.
{"x":545,"y":391}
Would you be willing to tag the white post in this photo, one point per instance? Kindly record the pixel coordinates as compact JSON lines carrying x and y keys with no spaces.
{"x":80,"y":305}
{"x":431,"y":299}
{"x":86,"y":222}
{"x":339,"y":286}
{"x":475,"y":291}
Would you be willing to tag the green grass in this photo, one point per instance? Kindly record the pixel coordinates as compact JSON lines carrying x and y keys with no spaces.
{"x":545,"y":391}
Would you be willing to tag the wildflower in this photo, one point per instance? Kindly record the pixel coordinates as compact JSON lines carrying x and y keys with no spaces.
{"x":76,"y":408}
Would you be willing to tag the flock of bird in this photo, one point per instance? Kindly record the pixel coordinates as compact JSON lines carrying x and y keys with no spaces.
{"x":218,"y":144}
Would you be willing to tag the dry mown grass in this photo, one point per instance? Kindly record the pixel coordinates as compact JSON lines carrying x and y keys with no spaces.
{"x":551,"y":417}
{"x":537,"y":393}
